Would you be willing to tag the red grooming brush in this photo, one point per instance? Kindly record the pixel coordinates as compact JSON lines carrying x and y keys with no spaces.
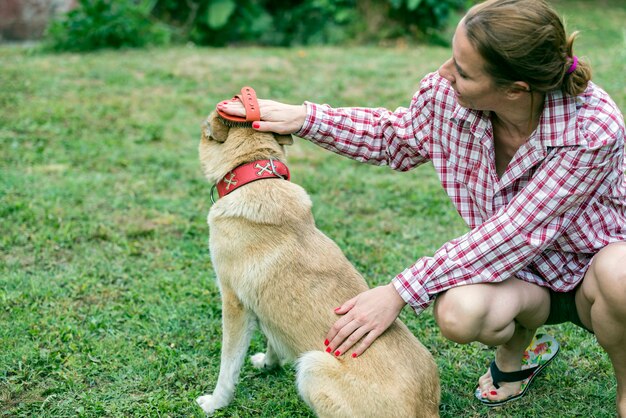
{"x":250,"y":103}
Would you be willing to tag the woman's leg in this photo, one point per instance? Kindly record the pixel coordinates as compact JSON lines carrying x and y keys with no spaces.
{"x":502,"y":314}
{"x":601,"y":305}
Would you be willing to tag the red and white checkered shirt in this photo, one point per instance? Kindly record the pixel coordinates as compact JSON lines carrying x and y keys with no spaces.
{"x":561,"y":199}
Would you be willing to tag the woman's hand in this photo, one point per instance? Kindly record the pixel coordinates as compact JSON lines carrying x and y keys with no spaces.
{"x":275,"y":116}
{"x":366,"y":316}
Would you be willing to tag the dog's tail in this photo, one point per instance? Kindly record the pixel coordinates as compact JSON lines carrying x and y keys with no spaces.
{"x":317,"y":374}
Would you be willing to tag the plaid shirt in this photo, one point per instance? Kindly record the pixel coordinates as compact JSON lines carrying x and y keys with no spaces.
{"x":561,"y":199}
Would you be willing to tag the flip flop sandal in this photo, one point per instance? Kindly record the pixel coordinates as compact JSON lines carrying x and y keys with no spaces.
{"x":541,"y":351}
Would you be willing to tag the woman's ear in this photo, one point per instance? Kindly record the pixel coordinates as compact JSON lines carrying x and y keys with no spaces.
{"x":213,"y":129}
{"x":517,"y":89}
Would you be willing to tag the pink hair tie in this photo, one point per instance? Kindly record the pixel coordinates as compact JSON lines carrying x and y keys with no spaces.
{"x":572,"y":67}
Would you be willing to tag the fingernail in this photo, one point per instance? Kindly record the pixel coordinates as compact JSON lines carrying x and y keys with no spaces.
{"x":328,"y":350}
{"x":493,"y":393}
{"x":336,"y":309}
{"x":337,"y":353}
{"x":224,"y":103}
{"x":354,"y":355}
{"x":484,"y":394}
{"x":326,"y":342}
{"x":256,"y":125}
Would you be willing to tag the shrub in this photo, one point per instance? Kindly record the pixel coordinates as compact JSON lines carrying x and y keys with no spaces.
{"x":302,"y":22}
{"x":136,"y":23}
{"x":97,"y":24}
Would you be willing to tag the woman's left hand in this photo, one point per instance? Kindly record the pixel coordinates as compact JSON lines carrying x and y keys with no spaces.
{"x":366,"y":317}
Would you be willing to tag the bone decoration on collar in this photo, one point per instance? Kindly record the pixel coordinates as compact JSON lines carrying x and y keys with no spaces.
{"x":249,"y":172}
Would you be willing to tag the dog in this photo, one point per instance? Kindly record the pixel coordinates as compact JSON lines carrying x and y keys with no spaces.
{"x":275,"y":268}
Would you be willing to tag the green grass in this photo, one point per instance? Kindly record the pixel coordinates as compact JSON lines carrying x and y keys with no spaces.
{"x":108,"y":303}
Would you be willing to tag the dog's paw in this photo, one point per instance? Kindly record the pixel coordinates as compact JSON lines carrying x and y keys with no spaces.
{"x":208,"y":404}
{"x":258,"y":361}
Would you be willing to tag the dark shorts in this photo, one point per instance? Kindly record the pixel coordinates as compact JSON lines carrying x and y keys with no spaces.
{"x":563,"y":309}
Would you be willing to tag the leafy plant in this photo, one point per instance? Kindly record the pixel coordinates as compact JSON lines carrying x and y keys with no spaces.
{"x":218,"y":13}
{"x":303,"y":22}
{"x":97,"y":24}
{"x":424,"y":15}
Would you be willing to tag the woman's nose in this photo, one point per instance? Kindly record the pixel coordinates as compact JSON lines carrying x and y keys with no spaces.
{"x":445,"y":70}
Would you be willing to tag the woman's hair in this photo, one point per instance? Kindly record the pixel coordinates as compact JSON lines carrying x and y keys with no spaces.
{"x":524,"y":40}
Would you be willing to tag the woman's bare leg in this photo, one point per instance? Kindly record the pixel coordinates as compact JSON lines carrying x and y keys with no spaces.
{"x":506,"y":314}
{"x":502,"y":314}
{"x":601,"y":305}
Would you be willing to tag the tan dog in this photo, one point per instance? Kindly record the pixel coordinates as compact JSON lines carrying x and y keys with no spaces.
{"x":275,"y":267}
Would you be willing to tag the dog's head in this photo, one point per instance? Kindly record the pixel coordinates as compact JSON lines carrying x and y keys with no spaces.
{"x":223,"y":148}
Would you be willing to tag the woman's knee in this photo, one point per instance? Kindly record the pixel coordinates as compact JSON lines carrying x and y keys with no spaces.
{"x":608,"y":277}
{"x":460,"y":313}
{"x":486,"y":312}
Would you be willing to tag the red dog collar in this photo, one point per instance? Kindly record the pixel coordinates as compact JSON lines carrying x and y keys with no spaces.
{"x":249,"y":172}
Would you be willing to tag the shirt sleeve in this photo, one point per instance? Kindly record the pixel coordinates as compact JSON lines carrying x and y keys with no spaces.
{"x":375,"y":135}
{"x":519,"y":231}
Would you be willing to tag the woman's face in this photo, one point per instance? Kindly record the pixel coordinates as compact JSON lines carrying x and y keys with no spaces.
{"x":473,"y":87}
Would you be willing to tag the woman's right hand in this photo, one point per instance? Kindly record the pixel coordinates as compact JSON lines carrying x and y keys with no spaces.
{"x":275,"y":116}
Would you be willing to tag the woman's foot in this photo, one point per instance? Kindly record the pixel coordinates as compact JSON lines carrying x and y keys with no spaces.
{"x":511,"y":374}
{"x":508,"y":359}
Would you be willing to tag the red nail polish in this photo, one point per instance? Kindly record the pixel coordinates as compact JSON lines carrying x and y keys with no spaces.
{"x":354,"y":355}
{"x":337,"y":353}
{"x":256,"y":125}
{"x":224,"y":103}
{"x":336,"y":309}
{"x":326,"y":342}
{"x":493,"y":393}
{"x":328,"y":350}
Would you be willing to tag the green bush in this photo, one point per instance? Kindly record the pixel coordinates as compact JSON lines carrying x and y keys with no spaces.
{"x":259,"y":22}
{"x":136,"y":23}
{"x":425,"y":16}
{"x":302,"y":22}
{"x":97,"y":24}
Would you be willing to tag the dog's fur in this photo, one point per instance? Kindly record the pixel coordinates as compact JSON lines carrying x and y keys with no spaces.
{"x":275,"y":267}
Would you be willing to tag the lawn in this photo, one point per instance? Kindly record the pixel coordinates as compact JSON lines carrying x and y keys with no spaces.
{"x":108,"y":302}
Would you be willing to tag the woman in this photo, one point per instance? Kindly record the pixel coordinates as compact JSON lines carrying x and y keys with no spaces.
{"x":531,"y":153}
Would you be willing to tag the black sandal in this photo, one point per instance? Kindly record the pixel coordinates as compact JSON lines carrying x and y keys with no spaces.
{"x":541,"y":351}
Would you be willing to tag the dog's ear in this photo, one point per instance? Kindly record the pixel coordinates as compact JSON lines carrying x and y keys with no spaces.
{"x":284,"y":139}
{"x":213,"y":129}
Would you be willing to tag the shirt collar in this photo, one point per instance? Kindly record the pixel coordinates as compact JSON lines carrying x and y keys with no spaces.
{"x":556,"y":125}
{"x":478,"y":120}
